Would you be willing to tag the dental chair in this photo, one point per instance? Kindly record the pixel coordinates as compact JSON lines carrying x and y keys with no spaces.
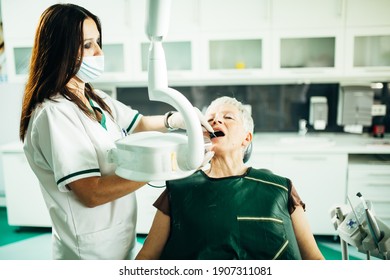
{"x":358,"y":226}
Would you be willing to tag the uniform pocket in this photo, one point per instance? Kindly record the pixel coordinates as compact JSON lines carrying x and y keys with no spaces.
{"x":113,"y":243}
{"x":261,"y":237}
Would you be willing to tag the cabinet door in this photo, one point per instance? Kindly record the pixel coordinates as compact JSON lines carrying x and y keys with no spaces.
{"x":232,"y":15}
{"x":183,"y":17}
{"x":308,"y":53}
{"x":320,"y":181}
{"x":369,"y":53}
{"x":307,"y":13}
{"x":180,"y":55}
{"x":363,"y":13}
{"x":114,"y":16}
{"x":25,"y":204}
{"x":21,"y":18}
{"x":372,"y":180}
{"x":236,"y":57}
{"x":18,"y":55}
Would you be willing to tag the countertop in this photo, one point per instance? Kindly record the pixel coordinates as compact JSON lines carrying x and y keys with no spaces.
{"x":320,"y":143}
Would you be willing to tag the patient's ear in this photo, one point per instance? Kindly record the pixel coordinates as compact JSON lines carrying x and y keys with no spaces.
{"x":248,"y":146}
{"x":248,"y":139}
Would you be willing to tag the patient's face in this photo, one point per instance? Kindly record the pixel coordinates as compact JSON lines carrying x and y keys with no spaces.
{"x":227,"y":123}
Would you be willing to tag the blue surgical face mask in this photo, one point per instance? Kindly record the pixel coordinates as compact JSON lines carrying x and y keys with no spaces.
{"x":92,"y":67}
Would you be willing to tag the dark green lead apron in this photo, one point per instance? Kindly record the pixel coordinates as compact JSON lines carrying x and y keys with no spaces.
{"x":240,"y":217}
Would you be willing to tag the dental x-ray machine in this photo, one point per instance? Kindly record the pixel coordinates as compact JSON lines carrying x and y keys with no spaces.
{"x":156,"y":156}
{"x":359,"y":227}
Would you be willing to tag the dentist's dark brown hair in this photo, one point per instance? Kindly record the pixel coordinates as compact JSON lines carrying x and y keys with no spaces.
{"x":54,"y":60}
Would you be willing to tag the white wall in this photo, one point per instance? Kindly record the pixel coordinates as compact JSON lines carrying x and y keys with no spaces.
{"x":10,"y":108}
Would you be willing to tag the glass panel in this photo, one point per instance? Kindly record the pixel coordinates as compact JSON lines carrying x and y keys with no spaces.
{"x":236,"y":54}
{"x":275,"y":108}
{"x":307,"y":52}
{"x":177,"y":55}
{"x":22,"y":60}
{"x":371,"y":51}
{"x":114,"y":58}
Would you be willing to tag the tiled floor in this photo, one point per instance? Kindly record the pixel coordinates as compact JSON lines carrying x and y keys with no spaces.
{"x":35,"y":243}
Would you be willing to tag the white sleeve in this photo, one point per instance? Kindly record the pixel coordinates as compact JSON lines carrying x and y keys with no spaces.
{"x":64,"y":144}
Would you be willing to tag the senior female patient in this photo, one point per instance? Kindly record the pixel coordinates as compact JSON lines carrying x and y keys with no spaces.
{"x":230,"y":211}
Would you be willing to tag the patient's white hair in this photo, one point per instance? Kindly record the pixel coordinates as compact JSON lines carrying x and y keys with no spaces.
{"x":245,"y":114}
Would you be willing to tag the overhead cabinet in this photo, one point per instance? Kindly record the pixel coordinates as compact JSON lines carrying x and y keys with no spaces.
{"x":315,"y":14}
{"x":234,"y":16}
{"x":308,"y":53}
{"x":228,"y":41}
{"x":370,"y":52}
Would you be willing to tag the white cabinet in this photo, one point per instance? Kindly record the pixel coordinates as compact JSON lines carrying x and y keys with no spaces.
{"x":363,"y":13}
{"x":235,"y":38}
{"x":235,"y":57}
{"x":307,"y":38}
{"x":369,"y":53}
{"x":229,"y":41}
{"x":287,"y":14}
{"x":367,"y":39}
{"x":114,"y":16}
{"x":307,"y":53}
{"x":234,"y":16}
{"x":24,"y":200}
{"x":20,"y":18}
{"x":184,"y":17}
{"x":370,"y":175}
{"x":320,"y":180}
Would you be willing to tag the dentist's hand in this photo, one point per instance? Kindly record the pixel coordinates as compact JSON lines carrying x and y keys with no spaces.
{"x":176,"y":120}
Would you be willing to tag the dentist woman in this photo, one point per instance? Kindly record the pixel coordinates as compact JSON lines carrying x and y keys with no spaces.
{"x":68,"y":127}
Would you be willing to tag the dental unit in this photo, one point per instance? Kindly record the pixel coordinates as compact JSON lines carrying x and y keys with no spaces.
{"x":154,"y":156}
{"x":359,"y":227}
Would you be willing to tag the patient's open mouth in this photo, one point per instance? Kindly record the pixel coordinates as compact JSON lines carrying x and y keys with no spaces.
{"x":217,"y":134}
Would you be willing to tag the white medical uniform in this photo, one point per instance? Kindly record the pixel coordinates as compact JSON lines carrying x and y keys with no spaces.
{"x":63,"y":145}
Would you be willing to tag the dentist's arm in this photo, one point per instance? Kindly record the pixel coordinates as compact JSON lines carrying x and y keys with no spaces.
{"x":174,"y":120}
{"x":95,"y":191}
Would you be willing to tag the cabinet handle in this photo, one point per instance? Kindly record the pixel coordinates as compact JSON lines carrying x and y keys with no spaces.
{"x":127,"y":6}
{"x":309,"y":158}
{"x":375,"y":185}
{"x":341,"y":10}
{"x":373,"y":70}
{"x":382,"y":175}
{"x":307,"y":71}
{"x":237,"y":73}
{"x":269,"y":10}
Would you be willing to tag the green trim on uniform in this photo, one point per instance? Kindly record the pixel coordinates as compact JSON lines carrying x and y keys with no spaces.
{"x":103,"y":120}
{"x":78,"y":173}
{"x":132,"y":123}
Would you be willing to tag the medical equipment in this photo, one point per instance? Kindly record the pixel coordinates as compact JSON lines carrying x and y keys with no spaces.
{"x":154,"y":156}
{"x":359,"y":227}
